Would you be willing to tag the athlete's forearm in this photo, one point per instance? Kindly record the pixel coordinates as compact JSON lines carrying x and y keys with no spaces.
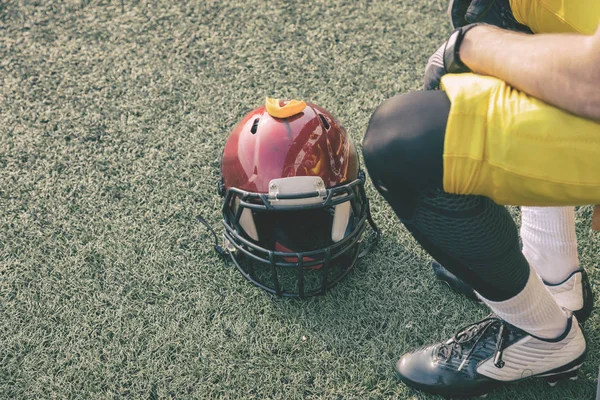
{"x":560,"y":69}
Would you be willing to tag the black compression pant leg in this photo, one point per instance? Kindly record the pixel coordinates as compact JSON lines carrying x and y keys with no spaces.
{"x":473,"y":237}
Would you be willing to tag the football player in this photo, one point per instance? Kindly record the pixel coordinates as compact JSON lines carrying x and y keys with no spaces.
{"x":516,"y":122}
{"x":547,"y":233}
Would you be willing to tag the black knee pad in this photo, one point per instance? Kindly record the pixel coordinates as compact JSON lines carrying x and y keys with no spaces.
{"x":404,"y":144}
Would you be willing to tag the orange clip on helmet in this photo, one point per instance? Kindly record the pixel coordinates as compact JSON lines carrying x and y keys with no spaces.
{"x":295,"y":208}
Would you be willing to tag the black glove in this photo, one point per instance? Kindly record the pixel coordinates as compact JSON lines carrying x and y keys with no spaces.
{"x":434,"y":70}
{"x":446,"y":59}
{"x":491,"y":12}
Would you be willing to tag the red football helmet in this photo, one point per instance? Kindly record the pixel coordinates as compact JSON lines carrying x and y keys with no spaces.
{"x":295,"y":208}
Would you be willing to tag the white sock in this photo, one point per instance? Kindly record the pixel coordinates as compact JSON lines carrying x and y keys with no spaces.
{"x":534,"y":310}
{"x":549,"y":241}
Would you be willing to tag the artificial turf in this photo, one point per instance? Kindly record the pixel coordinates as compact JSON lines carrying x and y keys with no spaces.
{"x":113,"y":115}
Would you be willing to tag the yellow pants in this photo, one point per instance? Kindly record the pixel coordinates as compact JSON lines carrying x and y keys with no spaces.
{"x":516,"y":149}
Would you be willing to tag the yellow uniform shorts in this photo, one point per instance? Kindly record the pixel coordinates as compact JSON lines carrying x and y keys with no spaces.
{"x":513,"y":148}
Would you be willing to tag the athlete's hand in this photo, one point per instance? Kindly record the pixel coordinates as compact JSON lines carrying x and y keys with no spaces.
{"x":446,"y":59}
{"x":434,"y":70}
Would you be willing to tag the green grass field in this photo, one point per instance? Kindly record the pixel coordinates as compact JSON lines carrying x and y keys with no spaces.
{"x":112,"y":119}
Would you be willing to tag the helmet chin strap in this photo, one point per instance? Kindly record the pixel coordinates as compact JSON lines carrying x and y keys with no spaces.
{"x":376,"y":234}
{"x":220,"y":250}
{"x":376,"y":231}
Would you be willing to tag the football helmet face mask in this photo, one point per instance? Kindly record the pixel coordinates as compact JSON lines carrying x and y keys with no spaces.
{"x":295,"y":208}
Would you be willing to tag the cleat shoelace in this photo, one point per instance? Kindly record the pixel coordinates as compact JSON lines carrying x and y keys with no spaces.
{"x":456,"y":346}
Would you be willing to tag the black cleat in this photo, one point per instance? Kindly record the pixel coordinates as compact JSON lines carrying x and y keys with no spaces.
{"x":490,"y":353}
{"x":574,"y":293}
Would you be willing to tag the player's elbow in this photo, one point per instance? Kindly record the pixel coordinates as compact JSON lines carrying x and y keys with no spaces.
{"x":589,"y":98}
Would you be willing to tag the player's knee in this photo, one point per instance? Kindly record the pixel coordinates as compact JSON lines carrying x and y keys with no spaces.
{"x":374,"y":147}
{"x":391,"y":146}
